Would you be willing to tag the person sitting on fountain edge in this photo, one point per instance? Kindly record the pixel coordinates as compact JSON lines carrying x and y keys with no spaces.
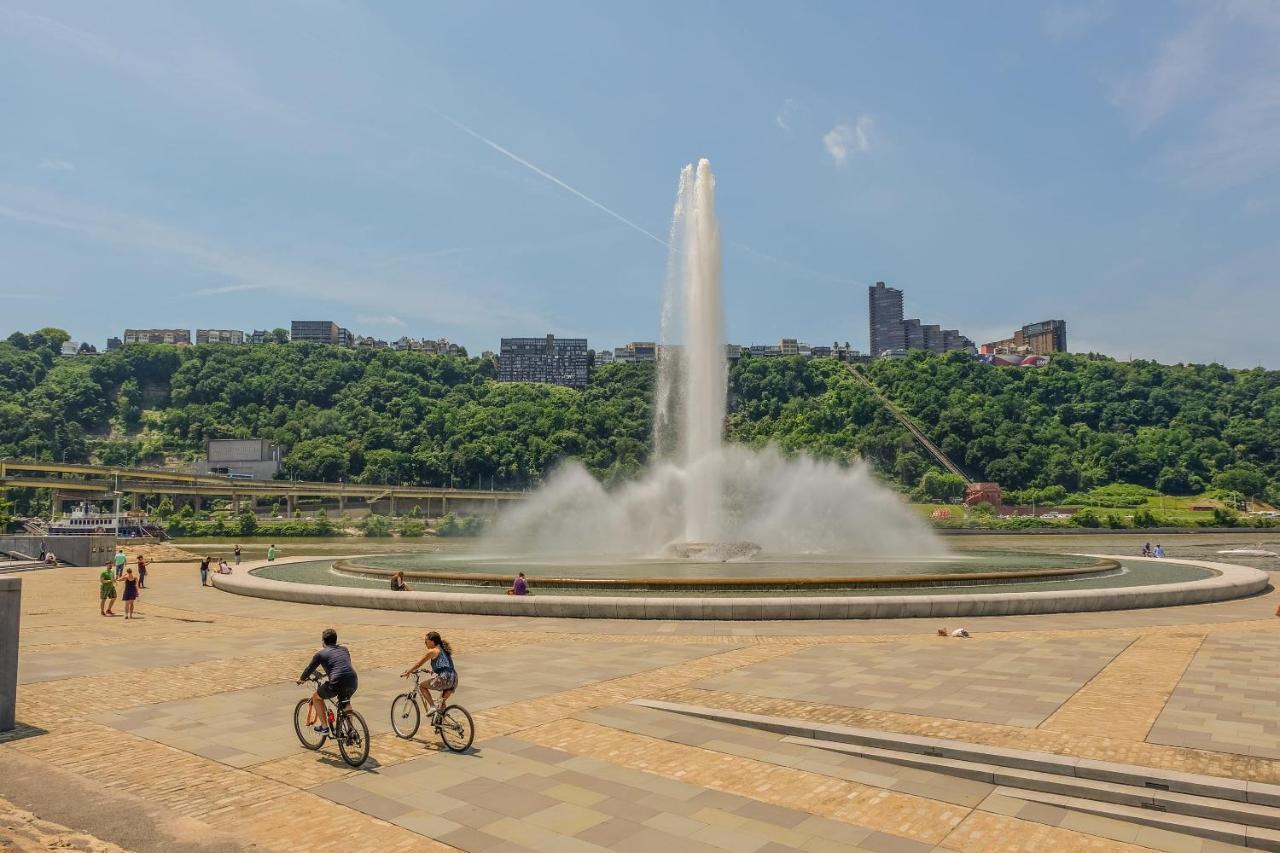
{"x":520,"y":586}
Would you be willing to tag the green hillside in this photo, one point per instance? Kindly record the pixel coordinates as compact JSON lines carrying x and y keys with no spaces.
{"x":402,"y":417}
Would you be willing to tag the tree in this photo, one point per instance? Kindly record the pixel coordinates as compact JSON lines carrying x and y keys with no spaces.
{"x":941,"y":485}
{"x":248,"y":523}
{"x":1243,"y":477}
{"x":279,"y":336}
{"x":376,"y":525}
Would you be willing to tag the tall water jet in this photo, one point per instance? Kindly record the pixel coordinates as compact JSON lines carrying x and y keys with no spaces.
{"x":703,"y":368}
{"x":700,"y":498}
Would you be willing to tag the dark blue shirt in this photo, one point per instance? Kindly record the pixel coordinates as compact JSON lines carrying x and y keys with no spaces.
{"x":336,"y":661}
{"x":442,"y":662}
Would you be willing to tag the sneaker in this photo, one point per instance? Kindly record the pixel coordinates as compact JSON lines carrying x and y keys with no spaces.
{"x":320,"y":730}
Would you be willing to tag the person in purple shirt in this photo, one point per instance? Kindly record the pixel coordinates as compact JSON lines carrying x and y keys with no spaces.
{"x":520,"y":587}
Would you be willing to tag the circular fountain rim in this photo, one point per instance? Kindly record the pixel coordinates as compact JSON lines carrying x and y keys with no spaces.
{"x":1101,"y":565}
{"x":1227,"y":581}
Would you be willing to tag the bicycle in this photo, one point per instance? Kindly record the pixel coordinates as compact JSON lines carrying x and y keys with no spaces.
{"x":352,"y":732}
{"x":452,"y":723}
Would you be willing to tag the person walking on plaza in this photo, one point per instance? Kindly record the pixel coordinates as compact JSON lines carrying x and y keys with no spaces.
{"x":107,"y":590}
{"x":271,"y":553}
{"x":204,"y":571}
{"x":142,"y":572}
{"x":130,"y":592}
{"x":44,"y":549}
{"x":237,"y":555}
{"x":121,"y":559}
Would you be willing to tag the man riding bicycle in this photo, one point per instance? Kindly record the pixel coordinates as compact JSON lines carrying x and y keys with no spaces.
{"x":342,"y":681}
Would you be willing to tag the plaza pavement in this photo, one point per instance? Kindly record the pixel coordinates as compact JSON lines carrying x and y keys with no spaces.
{"x":173,"y":731}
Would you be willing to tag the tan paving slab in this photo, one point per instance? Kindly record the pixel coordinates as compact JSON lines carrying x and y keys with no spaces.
{"x":1124,"y":700}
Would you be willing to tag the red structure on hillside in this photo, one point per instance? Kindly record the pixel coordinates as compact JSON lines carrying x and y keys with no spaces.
{"x":976,"y":493}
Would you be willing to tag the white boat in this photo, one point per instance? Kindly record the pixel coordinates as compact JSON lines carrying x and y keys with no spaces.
{"x":86,"y":518}
{"x":1248,"y":552}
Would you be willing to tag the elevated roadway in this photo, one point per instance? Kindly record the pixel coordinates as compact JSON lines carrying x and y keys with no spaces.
{"x":106,"y":481}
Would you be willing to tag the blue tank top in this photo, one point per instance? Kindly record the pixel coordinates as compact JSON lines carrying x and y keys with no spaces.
{"x":442,"y":662}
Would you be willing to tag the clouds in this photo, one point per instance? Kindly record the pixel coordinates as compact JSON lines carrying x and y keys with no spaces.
{"x":352,"y":283}
{"x":786,"y":114}
{"x":1062,"y":21}
{"x":1210,"y":97}
{"x":230,"y":288}
{"x":848,"y":140}
{"x":49,"y":165}
{"x":382,"y":320}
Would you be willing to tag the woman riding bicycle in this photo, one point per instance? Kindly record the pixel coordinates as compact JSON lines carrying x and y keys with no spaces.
{"x":443,"y":676}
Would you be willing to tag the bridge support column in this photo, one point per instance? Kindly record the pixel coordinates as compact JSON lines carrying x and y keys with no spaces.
{"x":135,"y":500}
{"x":55,"y":503}
{"x":342,"y":503}
{"x":290,"y":504}
{"x":392,"y":499}
{"x":235,"y":504}
{"x":196,"y":503}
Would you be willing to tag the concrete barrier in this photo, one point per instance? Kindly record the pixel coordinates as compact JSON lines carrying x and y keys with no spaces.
{"x":10,"y":609}
{"x":90,"y":549}
{"x":1228,"y":581}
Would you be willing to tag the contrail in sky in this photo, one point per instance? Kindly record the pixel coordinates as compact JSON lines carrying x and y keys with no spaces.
{"x":552,"y":178}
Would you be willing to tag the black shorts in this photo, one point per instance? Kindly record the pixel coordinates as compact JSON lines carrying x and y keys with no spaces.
{"x":344,"y":689}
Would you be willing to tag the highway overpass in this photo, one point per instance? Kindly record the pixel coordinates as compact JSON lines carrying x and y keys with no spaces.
{"x":70,"y":481}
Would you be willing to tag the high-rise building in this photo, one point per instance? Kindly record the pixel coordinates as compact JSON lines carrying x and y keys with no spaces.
{"x":636,"y":351}
{"x":219,"y":336}
{"x":892,"y":334}
{"x":885,"y":312}
{"x":933,"y":338}
{"x":913,"y":334}
{"x":1043,"y":338}
{"x":558,"y":362}
{"x":157,"y":336}
{"x":321,"y":332}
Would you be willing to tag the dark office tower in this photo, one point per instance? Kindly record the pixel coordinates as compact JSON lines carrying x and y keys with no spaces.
{"x":560,"y":361}
{"x":885,"y":311}
{"x":913,"y":332}
{"x":933,"y":338}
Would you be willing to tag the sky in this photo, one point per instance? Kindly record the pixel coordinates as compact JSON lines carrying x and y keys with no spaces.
{"x":478,"y":169}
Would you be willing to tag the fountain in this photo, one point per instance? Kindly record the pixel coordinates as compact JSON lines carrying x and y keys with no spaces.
{"x":801,"y":538}
{"x":700,"y":499}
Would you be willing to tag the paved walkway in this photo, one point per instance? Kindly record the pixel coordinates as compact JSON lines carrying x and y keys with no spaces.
{"x":180,"y":720}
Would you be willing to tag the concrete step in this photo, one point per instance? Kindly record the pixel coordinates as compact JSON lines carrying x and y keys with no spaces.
{"x":1190,"y":805}
{"x":1154,"y":779}
{"x":1253,"y":837}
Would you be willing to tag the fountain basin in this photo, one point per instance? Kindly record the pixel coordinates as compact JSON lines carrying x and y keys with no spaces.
{"x":1139,"y":583}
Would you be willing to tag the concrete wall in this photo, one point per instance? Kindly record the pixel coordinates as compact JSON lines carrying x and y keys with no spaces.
{"x":87,"y":550}
{"x":10,"y":608}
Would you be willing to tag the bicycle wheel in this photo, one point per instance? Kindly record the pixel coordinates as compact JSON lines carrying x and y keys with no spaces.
{"x":310,"y":738}
{"x":456,"y":728}
{"x":353,"y":739}
{"x":405,"y":716}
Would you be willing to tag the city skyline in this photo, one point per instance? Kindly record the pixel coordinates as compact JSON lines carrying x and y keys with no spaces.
{"x":1064,"y":159}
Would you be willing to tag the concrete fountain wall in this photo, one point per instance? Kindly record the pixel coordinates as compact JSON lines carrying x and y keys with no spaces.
{"x":1228,"y":582}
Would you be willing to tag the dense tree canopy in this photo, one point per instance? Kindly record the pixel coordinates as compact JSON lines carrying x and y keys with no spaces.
{"x":405,"y":417}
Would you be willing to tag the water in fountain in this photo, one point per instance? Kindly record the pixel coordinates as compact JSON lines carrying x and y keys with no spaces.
{"x":699,"y":497}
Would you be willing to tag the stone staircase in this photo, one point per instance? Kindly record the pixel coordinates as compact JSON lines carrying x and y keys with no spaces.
{"x":1230,"y":811}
